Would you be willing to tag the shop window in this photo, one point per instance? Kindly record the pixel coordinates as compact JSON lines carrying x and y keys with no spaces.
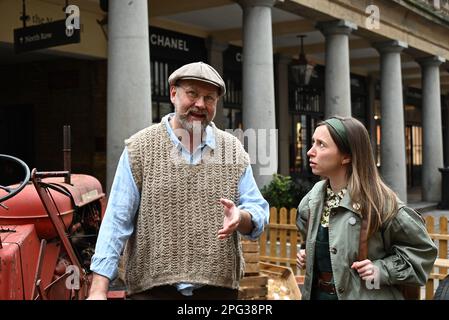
{"x":160,"y":109}
{"x":232,"y":118}
{"x":232,"y":100}
{"x":303,"y":128}
{"x":413,"y":148}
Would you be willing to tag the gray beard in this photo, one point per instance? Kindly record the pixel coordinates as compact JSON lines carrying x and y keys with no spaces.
{"x":189,"y":126}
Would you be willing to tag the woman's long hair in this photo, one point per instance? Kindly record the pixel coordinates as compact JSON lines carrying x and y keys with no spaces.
{"x":378,"y":203}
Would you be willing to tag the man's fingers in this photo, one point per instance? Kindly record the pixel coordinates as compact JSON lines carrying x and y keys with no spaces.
{"x":227,"y":203}
{"x":224,"y":230}
{"x":224,"y":233}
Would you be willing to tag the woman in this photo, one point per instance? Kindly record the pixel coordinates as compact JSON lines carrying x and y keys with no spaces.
{"x":361,"y":241}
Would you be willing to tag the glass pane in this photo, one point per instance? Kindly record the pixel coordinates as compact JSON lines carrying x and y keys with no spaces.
{"x":165,"y":108}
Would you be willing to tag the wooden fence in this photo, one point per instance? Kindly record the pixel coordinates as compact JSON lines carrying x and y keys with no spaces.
{"x":279,"y":244}
{"x":440,"y":236}
{"x":283,"y":238}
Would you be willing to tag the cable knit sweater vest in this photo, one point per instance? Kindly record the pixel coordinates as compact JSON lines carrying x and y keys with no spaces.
{"x":175,"y":235}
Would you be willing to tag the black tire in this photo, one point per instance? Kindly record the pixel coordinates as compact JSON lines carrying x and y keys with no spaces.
{"x":442,"y":292}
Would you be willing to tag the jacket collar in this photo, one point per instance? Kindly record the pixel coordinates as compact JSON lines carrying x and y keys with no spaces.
{"x":348,"y":204}
{"x":320,"y":194}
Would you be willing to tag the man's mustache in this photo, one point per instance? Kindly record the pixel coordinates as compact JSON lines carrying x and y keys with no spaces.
{"x":197,"y":111}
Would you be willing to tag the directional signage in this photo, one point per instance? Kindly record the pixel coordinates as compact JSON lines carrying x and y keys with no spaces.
{"x":43,"y":36}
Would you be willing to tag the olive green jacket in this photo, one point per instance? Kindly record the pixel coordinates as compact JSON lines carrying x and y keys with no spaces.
{"x":402,"y":249}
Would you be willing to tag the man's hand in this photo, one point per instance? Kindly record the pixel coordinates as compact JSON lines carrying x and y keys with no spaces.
{"x":232,"y":219}
{"x":301,"y":259}
{"x":99,"y":288}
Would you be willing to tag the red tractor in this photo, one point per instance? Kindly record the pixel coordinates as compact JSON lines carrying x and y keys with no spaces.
{"x":48,"y":231}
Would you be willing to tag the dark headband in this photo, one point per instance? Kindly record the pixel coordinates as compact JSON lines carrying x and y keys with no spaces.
{"x":339,"y":129}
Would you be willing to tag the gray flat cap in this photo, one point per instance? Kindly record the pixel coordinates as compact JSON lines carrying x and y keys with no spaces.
{"x":198,"y":71}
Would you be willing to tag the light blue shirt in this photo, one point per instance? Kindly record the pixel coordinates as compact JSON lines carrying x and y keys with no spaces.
{"x":124,"y":199}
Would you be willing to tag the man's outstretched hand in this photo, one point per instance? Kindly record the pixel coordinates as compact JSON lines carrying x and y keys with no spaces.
{"x":232,"y":219}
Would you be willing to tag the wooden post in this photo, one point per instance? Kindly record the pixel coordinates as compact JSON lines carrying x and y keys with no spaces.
{"x":442,"y":243}
{"x":293,"y":241}
{"x":273,"y":232}
{"x":429,"y":285}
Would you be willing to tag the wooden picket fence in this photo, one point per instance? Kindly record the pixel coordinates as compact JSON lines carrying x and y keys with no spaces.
{"x":279,"y":245}
{"x":283,"y":238}
{"x":440,"y":269}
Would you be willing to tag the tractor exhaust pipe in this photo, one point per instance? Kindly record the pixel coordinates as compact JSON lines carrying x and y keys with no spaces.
{"x":67,"y":151}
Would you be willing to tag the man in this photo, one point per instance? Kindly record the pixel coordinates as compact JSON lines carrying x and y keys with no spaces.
{"x":182,"y":194}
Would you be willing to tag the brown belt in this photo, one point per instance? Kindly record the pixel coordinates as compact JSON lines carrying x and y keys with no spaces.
{"x":324,"y":282}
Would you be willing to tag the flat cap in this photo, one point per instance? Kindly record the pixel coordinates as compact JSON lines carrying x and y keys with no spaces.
{"x":198,"y":71}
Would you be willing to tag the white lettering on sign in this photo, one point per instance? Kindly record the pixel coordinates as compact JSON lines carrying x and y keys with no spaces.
{"x":45,"y":36}
{"x":168,"y":42}
{"x":35,"y":37}
{"x":32,"y":38}
{"x":35,"y":19}
{"x":238,"y":57}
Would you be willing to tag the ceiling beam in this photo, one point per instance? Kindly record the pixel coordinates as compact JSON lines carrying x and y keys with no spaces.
{"x":355,"y":70}
{"x":320,"y":47}
{"x":158,"y":8}
{"x":364,"y":61}
{"x":280,"y":28}
{"x":375,"y":60}
{"x":177,"y":27}
{"x":405,"y":71}
{"x":90,"y":6}
{"x":444,"y":80}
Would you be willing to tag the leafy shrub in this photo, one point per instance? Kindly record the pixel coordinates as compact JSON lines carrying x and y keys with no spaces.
{"x":283,"y":191}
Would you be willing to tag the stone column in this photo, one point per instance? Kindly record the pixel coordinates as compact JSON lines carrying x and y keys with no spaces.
{"x":337,"y":75}
{"x":446,"y":138}
{"x":129,"y":87}
{"x":215,"y":59}
{"x":371,"y":121}
{"x":258,"y":87}
{"x":432,"y":128}
{"x":282,"y":87}
{"x":393,"y":164}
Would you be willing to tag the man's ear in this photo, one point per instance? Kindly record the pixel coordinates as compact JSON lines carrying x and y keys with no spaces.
{"x":346,"y":159}
{"x":172,"y":93}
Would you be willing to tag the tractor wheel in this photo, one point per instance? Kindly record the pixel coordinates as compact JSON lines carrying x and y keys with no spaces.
{"x":442,"y":292}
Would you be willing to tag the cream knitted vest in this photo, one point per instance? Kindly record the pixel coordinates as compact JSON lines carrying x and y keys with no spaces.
{"x":175,"y":235}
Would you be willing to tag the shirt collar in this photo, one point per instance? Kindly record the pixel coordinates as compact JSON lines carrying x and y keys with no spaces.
{"x":345,"y":200}
{"x":331,"y":194}
{"x":208,"y":138}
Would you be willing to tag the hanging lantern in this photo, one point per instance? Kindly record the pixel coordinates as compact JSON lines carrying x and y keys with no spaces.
{"x":302,"y":70}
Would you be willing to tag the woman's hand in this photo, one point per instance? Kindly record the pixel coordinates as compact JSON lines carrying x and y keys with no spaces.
{"x":301,"y":259}
{"x":366,"y":269}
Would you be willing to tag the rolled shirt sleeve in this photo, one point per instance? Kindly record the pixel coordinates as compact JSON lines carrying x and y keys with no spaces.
{"x":118,"y":222}
{"x":251,"y":200}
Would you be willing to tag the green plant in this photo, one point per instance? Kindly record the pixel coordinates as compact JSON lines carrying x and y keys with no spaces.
{"x":283,"y":191}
